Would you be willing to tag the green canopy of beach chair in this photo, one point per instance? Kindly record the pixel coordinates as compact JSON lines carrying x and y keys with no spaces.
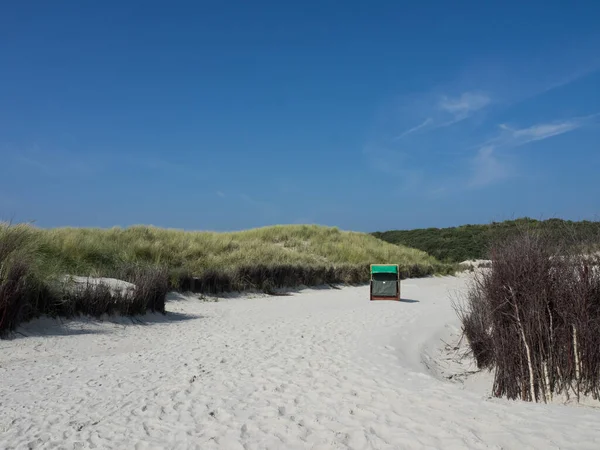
{"x":384,"y":268}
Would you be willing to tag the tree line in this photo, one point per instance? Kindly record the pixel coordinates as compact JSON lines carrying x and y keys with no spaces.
{"x":457,"y":244}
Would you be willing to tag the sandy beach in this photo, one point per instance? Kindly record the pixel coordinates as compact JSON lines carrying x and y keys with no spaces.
{"x":320,"y":368}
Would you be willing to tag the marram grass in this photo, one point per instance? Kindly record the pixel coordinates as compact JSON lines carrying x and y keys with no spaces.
{"x":82,"y":251}
{"x":155,"y":259}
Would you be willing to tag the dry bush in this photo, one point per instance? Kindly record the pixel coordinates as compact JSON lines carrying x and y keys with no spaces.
{"x":534,"y":317}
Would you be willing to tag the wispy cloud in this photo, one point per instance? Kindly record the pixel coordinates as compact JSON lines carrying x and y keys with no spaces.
{"x":547,"y":130}
{"x":463,"y":106}
{"x":220,"y":194}
{"x":487,"y":169}
{"x":514,"y":137}
{"x":566,"y":80}
{"x":391,"y":155}
{"x":426,"y":122}
{"x":544,"y":131}
{"x":444,"y":110}
{"x":447,"y":139}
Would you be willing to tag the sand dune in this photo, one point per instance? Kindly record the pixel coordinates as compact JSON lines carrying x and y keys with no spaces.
{"x":323,"y":368}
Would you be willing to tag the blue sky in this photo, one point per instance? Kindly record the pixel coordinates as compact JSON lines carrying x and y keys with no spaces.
{"x":362,"y":115}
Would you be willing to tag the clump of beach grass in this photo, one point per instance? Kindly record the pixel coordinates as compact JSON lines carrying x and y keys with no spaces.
{"x":156,"y":260}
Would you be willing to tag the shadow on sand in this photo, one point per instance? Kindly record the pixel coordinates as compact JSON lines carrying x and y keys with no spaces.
{"x":169,"y":316}
{"x":284,"y":292}
{"x":78,"y":326}
{"x":56,"y":330}
{"x":393,"y":300}
{"x":408,"y":300}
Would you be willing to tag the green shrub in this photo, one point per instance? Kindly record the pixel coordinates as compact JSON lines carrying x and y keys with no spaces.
{"x":457,"y":244}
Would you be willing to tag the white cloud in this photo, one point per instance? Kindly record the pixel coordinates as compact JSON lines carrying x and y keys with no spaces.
{"x":514,"y":137}
{"x":220,"y":194}
{"x":487,"y":168}
{"x":426,"y":122}
{"x":544,"y":131}
{"x":463,"y":106}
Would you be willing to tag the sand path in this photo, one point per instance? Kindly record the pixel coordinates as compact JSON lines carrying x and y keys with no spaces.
{"x":319,"y":369}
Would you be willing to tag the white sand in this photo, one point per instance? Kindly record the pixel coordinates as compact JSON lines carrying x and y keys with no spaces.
{"x":115,"y":286}
{"x":319,"y":369}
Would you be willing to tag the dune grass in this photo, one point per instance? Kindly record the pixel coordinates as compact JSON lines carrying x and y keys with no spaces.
{"x":32,"y":284}
{"x":84,"y":251}
{"x":33,"y":259}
